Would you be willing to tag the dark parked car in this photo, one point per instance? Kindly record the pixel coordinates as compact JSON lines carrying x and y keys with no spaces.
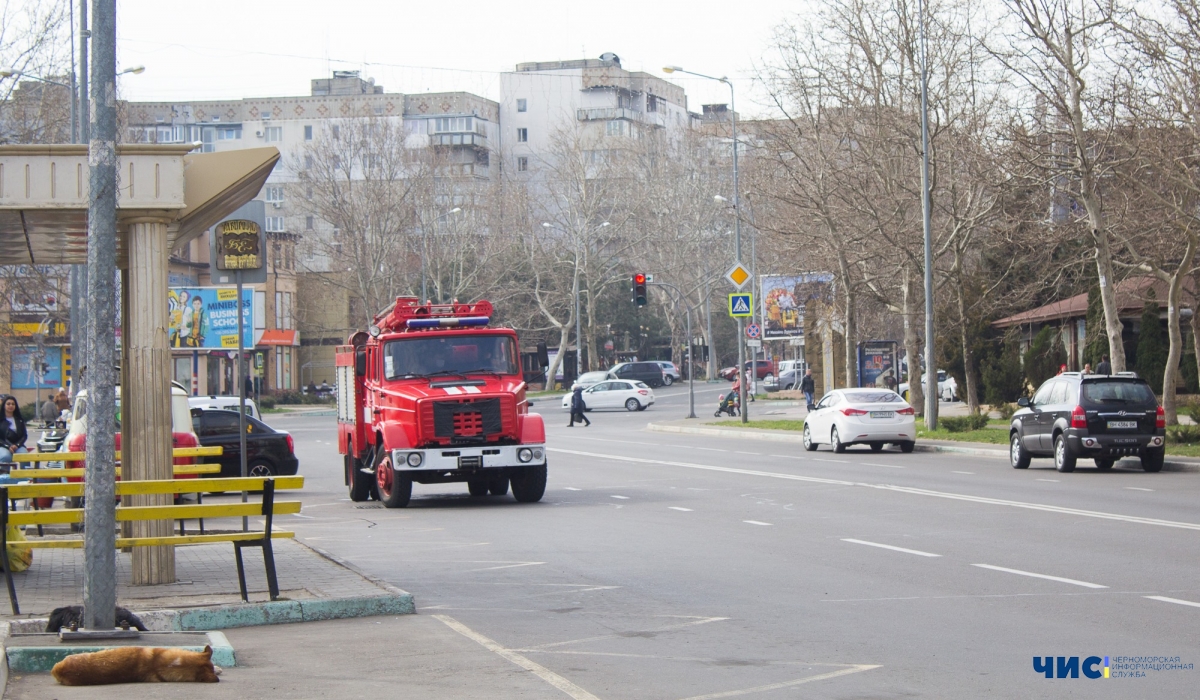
{"x":269,"y":452}
{"x":1102,"y":417}
{"x":649,"y":372}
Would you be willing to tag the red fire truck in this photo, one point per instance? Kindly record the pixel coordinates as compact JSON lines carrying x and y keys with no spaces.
{"x":430,"y":394}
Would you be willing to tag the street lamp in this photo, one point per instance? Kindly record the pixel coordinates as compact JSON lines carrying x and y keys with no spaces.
{"x":578,"y":333}
{"x":424,"y":292}
{"x":737,"y":220}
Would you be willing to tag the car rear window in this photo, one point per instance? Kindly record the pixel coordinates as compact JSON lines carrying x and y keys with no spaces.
{"x":1118,"y":392}
{"x":873,"y":396}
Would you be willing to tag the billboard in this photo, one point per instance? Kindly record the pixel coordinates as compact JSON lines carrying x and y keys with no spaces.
{"x":877,"y":364}
{"x":784,"y":298}
{"x":206,"y":317}
{"x":27,"y":371}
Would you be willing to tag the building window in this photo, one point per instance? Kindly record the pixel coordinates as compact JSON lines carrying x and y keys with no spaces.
{"x":275,"y":193}
{"x":308,"y":193}
{"x":207,"y":136}
{"x":521,"y":105}
{"x":273,"y":133}
{"x":523,"y":135}
{"x":308,"y":163}
{"x":651,"y":103}
{"x":308,"y":132}
{"x":616,"y":127}
{"x":229,"y":133}
{"x":336,"y":131}
{"x":308,"y":223}
{"x":275,"y":224}
{"x":442,"y":124}
{"x":522,"y":164}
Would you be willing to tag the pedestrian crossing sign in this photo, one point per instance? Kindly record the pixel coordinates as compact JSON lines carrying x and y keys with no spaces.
{"x":740,"y":304}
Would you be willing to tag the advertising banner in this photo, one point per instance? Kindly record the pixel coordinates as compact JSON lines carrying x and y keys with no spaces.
{"x":206,"y":317}
{"x":27,"y":367}
{"x":784,"y":298}
{"x":877,"y":363}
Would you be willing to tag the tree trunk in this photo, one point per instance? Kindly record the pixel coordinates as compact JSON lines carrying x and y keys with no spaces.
{"x":1174,"y":292}
{"x":1108,"y":299}
{"x":969,"y":369}
{"x":916,"y":394}
{"x":563,"y":334}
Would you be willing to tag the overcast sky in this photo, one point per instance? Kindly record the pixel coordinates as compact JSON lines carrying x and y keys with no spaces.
{"x":251,"y":48}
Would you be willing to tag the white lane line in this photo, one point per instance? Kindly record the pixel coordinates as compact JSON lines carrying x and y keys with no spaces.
{"x":533,"y":667}
{"x":972,"y":473}
{"x":917,"y":552}
{"x":1052,"y":481}
{"x":709,"y":449}
{"x":898,"y":489}
{"x":889,"y":466}
{"x":858,"y":668}
{"x":1173,"y":600}
{"x":680,"y":509}
{"x":507,"y":566}
{"x":571,"y":488}
{"x":623,"y":498}
{"x":1135,"y":488}
{"x":756,"y":522}
{"x":1060,"y":579}
{"x":788,"y":456}
{"x":667,"y":628}
{"x":831,"y":461}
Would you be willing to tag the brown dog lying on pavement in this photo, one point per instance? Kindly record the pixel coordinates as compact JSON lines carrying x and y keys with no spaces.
{"x":137,"y":665}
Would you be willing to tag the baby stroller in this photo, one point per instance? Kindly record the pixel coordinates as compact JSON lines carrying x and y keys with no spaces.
{"x":728,"y":405}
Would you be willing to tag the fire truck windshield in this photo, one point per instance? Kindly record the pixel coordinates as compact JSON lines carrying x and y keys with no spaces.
{"x":456,"y":355}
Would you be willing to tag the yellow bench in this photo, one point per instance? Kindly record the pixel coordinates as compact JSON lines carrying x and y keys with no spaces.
{"x":267,"y":509}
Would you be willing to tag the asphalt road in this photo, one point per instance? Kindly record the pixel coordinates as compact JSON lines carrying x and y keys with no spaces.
{"x":676,"y":566}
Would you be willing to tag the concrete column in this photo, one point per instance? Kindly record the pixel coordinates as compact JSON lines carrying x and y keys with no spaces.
{"x":146,"y":398}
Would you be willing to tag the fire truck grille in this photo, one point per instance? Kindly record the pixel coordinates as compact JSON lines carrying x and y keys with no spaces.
{"x":467,"y":419}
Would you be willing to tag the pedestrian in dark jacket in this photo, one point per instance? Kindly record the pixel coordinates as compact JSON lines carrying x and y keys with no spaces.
{"x":13,"y":434}
{"x":578,"y":407}
{"x":809,"y":387}
{"x":1104,"y":367}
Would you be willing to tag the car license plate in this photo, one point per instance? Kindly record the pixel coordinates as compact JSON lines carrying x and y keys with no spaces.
{"x":883,"y":414}
{"x":1122,"y":424}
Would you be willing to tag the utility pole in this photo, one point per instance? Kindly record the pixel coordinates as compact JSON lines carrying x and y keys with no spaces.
{"x":79,"y":273}
{"x":100,"y":557}
{"x":931,"y":389}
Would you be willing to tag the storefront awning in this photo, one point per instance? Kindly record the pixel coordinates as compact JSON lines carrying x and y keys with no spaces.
{"x":277,"y":337}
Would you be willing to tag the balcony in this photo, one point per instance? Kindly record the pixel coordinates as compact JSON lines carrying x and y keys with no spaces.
{"x":458,"y":139}
{"x":655,"y":119}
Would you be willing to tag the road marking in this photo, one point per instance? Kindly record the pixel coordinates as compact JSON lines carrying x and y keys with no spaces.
{"x":310,"y":517}
{"x":682,"y":510}
{"x":1060,"y":579}
{"x":1135,"y":488}
{"x":858,"y":668}
{"x":889,"y":466}
{"x":756,"y":522}
{"x":971,"y":473}
{"x":1053,"y":481}
{"x":623,"y":498}
{"x":894,"y":549}
{"x":571,"y":488}
{"x":788,"y":456}
{"x":533,"y":667}
{"x":709,"y":449}
{"x":668,"y":628}
{"x":1173,"y":600}
{"x":898,"y":489}
{"x":831,"y":461}
{"x":507,"y":566}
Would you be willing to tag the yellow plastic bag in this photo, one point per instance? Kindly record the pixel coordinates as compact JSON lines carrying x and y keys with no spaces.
{"x":19,"y":558}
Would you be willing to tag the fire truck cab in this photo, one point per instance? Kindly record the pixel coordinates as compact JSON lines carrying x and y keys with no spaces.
{"x":431,"y":394}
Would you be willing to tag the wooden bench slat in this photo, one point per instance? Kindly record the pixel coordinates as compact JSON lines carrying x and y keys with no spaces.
{"x":60,"y":473}
{"x":233,"y":483}
{"x":203,"y":451}
{"x":53,"y":516}
{"x":192,"y":512}
{"x":173,"y":540}
{"x":45,"y":490}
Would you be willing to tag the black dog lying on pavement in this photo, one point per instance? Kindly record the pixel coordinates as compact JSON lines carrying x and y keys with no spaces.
{"x":71,"y":617}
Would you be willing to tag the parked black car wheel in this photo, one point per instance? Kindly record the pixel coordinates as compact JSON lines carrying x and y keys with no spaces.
{"x":1064,"y":458}
{"x":1017,"y":456}
{"x":1152,"y":460}
{"x":260,"y":468}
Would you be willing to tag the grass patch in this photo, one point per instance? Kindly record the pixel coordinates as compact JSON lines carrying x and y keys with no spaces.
{"x":793,"y":425}
{"x":542,"y":394}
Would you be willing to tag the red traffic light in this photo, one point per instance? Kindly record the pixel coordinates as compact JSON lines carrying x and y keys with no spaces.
{"x":639,"y":278}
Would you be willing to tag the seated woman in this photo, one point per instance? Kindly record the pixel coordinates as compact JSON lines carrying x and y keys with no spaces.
{"x":13,"y":434}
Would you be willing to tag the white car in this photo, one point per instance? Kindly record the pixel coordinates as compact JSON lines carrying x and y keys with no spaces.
{"x":617,"y":393}
{"x":671,"y":373}
{"x":223,"y":403}
{"x":947,"y":387}
{"x":590,"y":379}
{"x":875,"y":417}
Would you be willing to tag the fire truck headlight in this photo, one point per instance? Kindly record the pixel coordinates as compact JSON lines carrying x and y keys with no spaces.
{"x":537,"y":453}
{"x":525,"y":454}
{"x":414,"y":459}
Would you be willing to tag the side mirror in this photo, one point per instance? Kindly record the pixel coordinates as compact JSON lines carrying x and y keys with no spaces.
{"x":360,"y":362}
{"x":1024,"y":402}
{"x":543,"y":355}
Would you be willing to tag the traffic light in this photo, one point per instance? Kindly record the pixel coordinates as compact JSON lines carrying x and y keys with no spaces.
{"x":639,"y":289}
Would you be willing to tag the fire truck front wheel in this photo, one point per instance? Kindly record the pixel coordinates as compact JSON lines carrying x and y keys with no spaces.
{"x":360,"y":484}
{"x":529,"y":484}
{"x":394,"y":489}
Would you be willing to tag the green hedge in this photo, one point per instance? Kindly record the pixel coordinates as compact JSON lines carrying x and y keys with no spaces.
{"x":964,"y":424}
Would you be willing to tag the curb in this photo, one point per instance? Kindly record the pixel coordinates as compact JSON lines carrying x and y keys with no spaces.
{"x":778,"y":436}
{"x":40,"y":659}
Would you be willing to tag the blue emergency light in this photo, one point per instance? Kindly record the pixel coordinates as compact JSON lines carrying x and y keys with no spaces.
{"x":448,"y":322}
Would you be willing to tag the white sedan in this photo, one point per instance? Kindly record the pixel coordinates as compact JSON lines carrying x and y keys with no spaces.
{"x":630,"y":395}
{"x":861,"y":416}
{"x":589,"y":379}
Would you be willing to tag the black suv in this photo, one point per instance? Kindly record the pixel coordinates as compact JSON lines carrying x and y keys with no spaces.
{"x":648,"y":372}
{"x":1104,"y":417}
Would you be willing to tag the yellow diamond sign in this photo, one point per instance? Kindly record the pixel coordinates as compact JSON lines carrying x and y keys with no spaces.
{"x":738,"y":274}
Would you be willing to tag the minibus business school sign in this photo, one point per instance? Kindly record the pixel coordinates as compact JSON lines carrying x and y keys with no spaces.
{"x":239,"y":245}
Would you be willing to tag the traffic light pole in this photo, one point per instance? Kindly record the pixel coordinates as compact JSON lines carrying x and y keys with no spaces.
{"x":691,"y":365}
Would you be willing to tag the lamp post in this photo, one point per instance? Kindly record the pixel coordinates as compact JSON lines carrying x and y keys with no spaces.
{"x":424,"y":292}
{"x":931,"y":388}
{"x":737,"y":220}
{"x":575,"y":291}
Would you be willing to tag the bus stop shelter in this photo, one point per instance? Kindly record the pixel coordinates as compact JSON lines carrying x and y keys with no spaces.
{"x":167,"y":196}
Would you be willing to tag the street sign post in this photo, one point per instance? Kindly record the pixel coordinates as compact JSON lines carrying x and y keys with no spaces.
{"x":754,"y":343}
{"x":753,"y":331}
{"x":738,"y":275}
{"x":741,"y":304}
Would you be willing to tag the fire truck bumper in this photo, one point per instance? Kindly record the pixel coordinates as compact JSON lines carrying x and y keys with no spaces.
{"x":469,"y":458}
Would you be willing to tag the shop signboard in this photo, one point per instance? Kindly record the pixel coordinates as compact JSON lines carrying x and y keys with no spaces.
{"x":206,"y":317}
{"x":877,"y":363}
{"x":36,"y":369}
